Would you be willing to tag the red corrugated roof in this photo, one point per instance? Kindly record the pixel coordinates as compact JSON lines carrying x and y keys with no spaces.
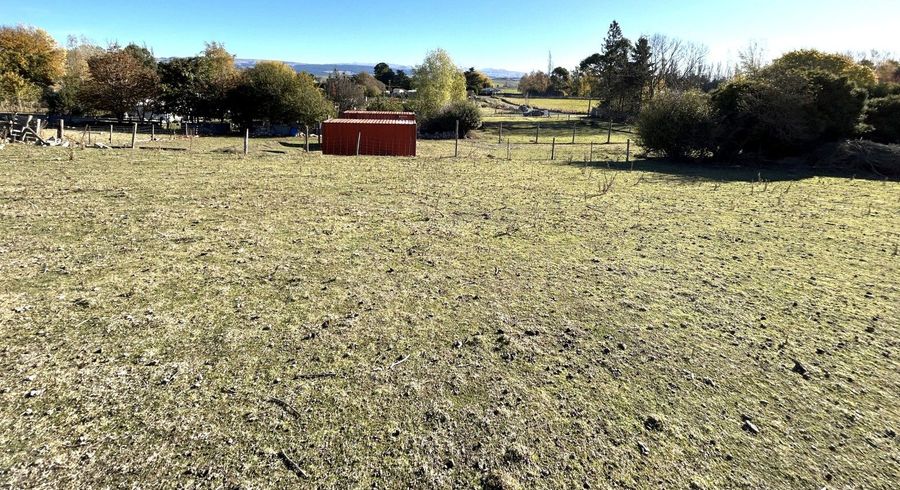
{"x":378,"y":115}
{"x":371,"y":121}
{"x":382,"y":112}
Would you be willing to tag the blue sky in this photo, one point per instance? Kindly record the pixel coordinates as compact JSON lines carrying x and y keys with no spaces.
{"x":513,"y":35}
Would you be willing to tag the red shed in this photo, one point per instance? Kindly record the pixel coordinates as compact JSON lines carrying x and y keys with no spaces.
{"x":395,"y":116}
{"x":372,"y":136}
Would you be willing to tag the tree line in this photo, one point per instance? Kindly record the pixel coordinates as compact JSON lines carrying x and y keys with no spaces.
{"x":625,"y":74}
{"x":84,"y":79}
{"x":686,"y":108}
{"x":789,"y":107}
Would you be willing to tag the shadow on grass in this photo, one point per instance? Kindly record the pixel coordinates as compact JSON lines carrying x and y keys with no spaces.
{"x":301,"y":146}
{"x":157,"y":148}
{"x":724,"y":172}
{"x":552,"y":126}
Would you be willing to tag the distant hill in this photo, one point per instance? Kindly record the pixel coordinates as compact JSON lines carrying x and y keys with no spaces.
{"x":324,"y":69}
{"x":321,"y":70}
{"x":501,"y":73}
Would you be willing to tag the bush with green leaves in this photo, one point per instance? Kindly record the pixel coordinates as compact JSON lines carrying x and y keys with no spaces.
{"x":677,"y":125}
{"x":444,"y":122}
{"x":779,"y":112}
{"x":385,"y":104}
{"x":884,"y":90}
{"x":274,"y":92}
{"x":438,"y":82}
{"x":883,"y":116}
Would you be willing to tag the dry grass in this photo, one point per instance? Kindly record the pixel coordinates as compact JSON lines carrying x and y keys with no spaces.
{"x":181,"y":319}
{"x":574,"y":106}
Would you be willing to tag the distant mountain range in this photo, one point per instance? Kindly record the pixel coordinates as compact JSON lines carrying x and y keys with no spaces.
{"x":322,"y":70}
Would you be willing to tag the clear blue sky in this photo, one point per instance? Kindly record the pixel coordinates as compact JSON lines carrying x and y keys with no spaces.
{"x":514,"y":35}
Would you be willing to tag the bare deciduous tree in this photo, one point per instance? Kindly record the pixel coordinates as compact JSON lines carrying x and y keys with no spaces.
{"x":752,"y":57}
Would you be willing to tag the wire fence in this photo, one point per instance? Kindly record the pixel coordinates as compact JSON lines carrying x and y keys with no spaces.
{"x":592,"y":152}
{"x":539,"y":114}
{"x":547,"y":107}
{"x":576,"y":130}
{"x":118,"y":135}
{"x":575,"y":140}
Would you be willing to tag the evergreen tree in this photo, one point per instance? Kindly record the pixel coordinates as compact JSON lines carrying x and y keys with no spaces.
{"x":402,"y":80}
{"x":384,"y":74}
{"x":613,"y":67}
{"x":640,"y":72}
{"x":560,"y":81}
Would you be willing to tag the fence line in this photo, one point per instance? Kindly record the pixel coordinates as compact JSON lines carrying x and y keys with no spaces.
{"x":509,"y":144}
{"x":587,"y":152}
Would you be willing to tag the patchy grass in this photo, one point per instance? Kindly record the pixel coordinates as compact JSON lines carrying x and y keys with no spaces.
{"x":574,"y":106}
{"x":179,"y":319}
{"x":518,"y":129}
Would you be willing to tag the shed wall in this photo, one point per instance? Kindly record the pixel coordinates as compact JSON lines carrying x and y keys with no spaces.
{"x":339,"y":137}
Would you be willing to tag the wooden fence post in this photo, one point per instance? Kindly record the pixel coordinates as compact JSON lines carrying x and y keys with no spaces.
{"x":61,"y":129}
{"x":553,"y":150}
{"x":609,"y":132}
{"x":133,"y":135}
{"x":152,"y":131}
{"x":37,"y":126}
{"x":246,"y":141}
{"x":306,"y":136}
{"x":500,"y":137}
{"x":358,"y":141}
{"x":574,"y":129}
{"x":456,"y":148}
{"x":110,"y":134}
{"x":628,"y":152}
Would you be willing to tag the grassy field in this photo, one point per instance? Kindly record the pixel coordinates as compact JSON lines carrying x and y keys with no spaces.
{"x":575,"y":106}
{"x":200,"y":319}
{"x":519,"y":130}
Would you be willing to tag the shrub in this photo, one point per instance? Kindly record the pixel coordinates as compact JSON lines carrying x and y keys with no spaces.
{"x":372,"y":87}
{"x":444,"y":122}
{"x":860,"y":156}
{"x":345,"y":92}
{"x":17,"y":93}
{"x":839,"y":106}
{"x":385,"y":104}
{"x":677,"y":125}
{"x":274,"y":92}
{"x":437,"y":82}
{"x":884,"y":90}
{"x":778,"y":113}
{"x":883,"y":116}
{"x":840,"y":65}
